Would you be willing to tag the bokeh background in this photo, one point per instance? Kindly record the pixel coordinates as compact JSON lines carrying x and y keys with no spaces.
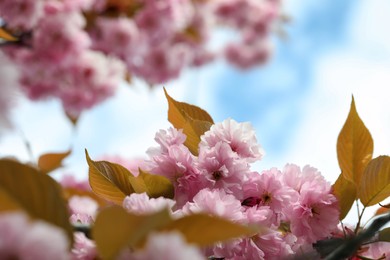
{"x":297,"y":102}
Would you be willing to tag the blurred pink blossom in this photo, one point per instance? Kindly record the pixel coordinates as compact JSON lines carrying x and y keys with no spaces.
{"x":83,"y":248}
{"x":168,"y":246}
{"x":25,"y":239}
{"x":21,"y":14}
{"x":141,"y":204}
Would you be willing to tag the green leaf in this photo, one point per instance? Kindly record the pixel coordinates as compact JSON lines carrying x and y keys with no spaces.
{"x":116,"y":229}
{"x":205,"y":230}
{"x":156,"y":185}
{"x":36,"y":193}
{"x":345,"y":191}
{"x":110,"y":181}
{"x":51,"y":161}
{"x":375,"y":184}
{"x":192,"y":119}
{"x":384,"y":235}
{"x":354,"y":147}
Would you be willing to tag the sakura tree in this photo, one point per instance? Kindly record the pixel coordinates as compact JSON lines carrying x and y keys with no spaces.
{"x":80,"y":51}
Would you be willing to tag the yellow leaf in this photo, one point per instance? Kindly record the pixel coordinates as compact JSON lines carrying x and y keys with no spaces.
{"x":205,"y":230}
{"x":193,"y":120}
{"x":7,"y":202}
{"x":156,"y":185}
{"x":194,"y":129}
{"x":375,"y":184}
{"x":51,"y":161}
{"x":354,"y":147}
{"x":110,"y":181}
{"x":6,"y":35}
{"x":36,"y":193}
{"x":345,"y":191}
{"x":115,"y":229}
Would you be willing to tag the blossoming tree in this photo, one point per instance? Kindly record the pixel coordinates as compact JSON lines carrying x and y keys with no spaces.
{"x":197,"y":196}
{"x":80,"y":51}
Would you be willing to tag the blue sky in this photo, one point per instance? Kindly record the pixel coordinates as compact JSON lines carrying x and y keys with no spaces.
{"x":297,"y":102}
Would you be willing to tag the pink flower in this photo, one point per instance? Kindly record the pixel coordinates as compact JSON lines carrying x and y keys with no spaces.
{"x":21,"y":14}
{"x":83,"y":248}
{"x":246,"y":55}
{"x":168,"y":246}
{"x":117,"y":36}
{"x":173,"y":163}
{"x":188,"y":185}
{"x":84,"y":207}
{"x":160,"y":63}
{"x":293,"y":177}
{"x":378,"y":250}
{"x":141,"y":204}
{"x":273,"y":245}
{"x":225,"y":171}
{"x":238,"y":249}
{"x":267,"y":190}
{"x":51,"y":43}
{"x":240,"y":136}
{"x":22,"y":239}
{"x":69,"y":181}
{"x":316,"y":214}
{"x":166,"y":139}
{"x":215,"y":202}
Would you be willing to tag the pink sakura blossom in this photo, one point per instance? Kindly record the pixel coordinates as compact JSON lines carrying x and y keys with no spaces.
{"x":220,"y":165}
{"x":118,"y":36}
{"x":174,"y":15}
{"x":188,"y":185}
{"x":168,"y":246}
{"x":83,"y":209}
{"x":22,"y":239}
{"x":378,"y":250}
{"x":293,"y":176}
{"x":266,"y":189}
{"x":215,"y":202}
{"x":56,"y":45}
{"x":21,"y":14}
{"x":69,"y":181}
{"x":9,"y":77}
{"x":160,"y":63}
{"x":68,"y":6}
{"x":273,"y":244}
{"x":174,"y":163}
{"x":166,"y":139}
{"x":240,"y":136}
{"x":316,"y":214}
{"x":141,"y":204}
{"x":245,"y":55}
{"x":238,"y":249}
{"x":83,"y":248}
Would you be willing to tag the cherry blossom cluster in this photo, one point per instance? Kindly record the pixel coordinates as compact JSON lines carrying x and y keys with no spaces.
{"x":293,"y":208}
{"x":79,"y":51}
